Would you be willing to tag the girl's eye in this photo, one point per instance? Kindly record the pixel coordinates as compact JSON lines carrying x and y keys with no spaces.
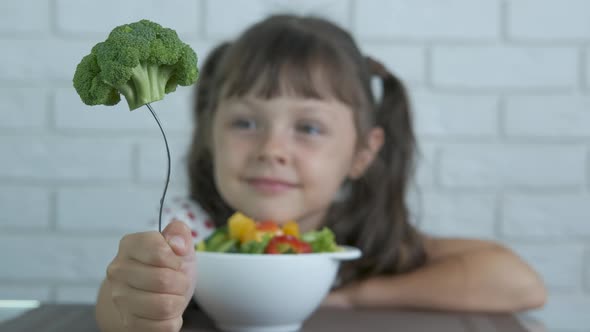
{"x":309,"y":129}
{"x":244,"y":123}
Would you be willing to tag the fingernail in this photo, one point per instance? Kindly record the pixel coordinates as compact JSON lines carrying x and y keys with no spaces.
{"x":177,"y":241}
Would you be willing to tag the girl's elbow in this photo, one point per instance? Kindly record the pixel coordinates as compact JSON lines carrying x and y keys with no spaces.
{"x":528,"y":287}
{"x":537,"y":297}
{"x":533,"y":294}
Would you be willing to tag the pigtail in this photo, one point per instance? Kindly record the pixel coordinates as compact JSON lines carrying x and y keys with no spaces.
{"x":398,"y":154}
{"x":200,"y":160}
{"x":376,"y":203}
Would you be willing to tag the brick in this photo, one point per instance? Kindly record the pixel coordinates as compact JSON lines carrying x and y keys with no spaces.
{"x":553,"y":116}
{"x":457,"y":215}
{"x":470,"y":67}
{"x":428,"y":19}
{"x":408,"y":63}
{"x":47,"y":158}
{"x":244,"y":14}
{"x":546,"y":216}
{"x":41,"y":61}
{"x":78,"y":294}
{"x":17,"y":17}
{"x":100,"y":17}
{"x":558,"y":263}
{"x":527,"y":19}
{"x":174,"y":112}
{"x":123,"y":209}
{"x":513,"y":166}
{"x":564,"y":312}
{"x":454,"y":115}
{"x":152,"y":161}
{"x":9,"y":291}
{"x":23,"y":108}
{"x":55,"y":257}
{"x":24,"y":207}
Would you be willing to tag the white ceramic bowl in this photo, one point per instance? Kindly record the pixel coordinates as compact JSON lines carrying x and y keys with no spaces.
{"x":265,"y":293}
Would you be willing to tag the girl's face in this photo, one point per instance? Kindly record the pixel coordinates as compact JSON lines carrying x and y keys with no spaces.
{"x":283,"y":158}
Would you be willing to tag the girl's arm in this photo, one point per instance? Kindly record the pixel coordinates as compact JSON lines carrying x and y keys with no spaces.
{"x":460,"y":275}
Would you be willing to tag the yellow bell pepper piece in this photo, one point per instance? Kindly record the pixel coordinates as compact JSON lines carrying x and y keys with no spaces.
{"x":291,"y":228}
{"x":240,"y":226}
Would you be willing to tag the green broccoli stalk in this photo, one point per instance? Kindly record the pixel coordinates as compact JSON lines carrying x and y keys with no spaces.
{"x":143,"y":61}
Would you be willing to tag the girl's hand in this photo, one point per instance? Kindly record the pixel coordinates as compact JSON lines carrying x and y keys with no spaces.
{"x":342,"y":298}
{"x":152,"y":278}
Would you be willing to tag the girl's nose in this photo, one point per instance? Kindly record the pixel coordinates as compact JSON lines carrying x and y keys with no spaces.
{"x":273,"y":149}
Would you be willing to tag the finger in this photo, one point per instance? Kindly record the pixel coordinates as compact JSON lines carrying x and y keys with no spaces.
{"x":336,"y":299}
{"x":121,"y":307}
{"x":154,"y":306}
{"x":150,"y":278}
{"x":147,"y":325}
{"x":149,"y":248}
{"x":178,"y":235}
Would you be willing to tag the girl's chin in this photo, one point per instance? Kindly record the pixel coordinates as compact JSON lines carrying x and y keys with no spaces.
{"x":276,"y":216}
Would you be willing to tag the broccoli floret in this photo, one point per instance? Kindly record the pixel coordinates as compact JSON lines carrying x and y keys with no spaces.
{"x":142,"y":61}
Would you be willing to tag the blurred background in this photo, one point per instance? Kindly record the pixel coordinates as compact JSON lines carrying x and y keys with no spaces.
{"x":501,"y":94}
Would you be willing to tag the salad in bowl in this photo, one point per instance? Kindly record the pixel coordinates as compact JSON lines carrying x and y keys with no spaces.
{"x":246,"y":236}
{"x":262,"y":276}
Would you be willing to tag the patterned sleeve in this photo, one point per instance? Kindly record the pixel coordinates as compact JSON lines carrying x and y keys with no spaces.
{"x":189,"y":212}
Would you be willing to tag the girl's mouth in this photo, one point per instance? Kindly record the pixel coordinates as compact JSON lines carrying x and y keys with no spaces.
{"x":270,"y":185}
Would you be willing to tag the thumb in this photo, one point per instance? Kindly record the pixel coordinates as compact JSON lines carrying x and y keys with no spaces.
{"x":178,"y":235}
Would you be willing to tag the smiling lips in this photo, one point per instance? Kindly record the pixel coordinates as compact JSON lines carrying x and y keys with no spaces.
{"x":270,"y":185}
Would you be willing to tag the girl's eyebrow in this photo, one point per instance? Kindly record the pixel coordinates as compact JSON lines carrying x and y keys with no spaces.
{"x":314,"y":107}
{"x":250,"y":103}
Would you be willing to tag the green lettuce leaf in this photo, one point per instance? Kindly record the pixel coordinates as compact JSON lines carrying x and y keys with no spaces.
{"x":321,"y":241}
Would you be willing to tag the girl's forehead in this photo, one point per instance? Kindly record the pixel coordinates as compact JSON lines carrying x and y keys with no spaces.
{"x":291,"y":82}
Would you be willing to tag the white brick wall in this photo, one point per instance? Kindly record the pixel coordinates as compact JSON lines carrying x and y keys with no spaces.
{"x":64,"y":257}
{"x":18,"y":18}
{"x":513,"y":166}
{"x":546,"y":216}
{"x":549,"y":20}
{"x":554,"y":117}
{"x":63,"y":158}
{"x":460,"y":116}
{"x":470,"y":215}
{"x":81,"y":18}
{"x":20,"y":111}
{"x":505,"y":68}
{"x":552,"y":259}
{"x":501,"y":95}
{"x":427,"y":19}
{"x":25,"y":206}
{"x":224,"y":23}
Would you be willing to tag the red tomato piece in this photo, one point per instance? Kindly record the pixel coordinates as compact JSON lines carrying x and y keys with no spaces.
{"x":284,"y":244}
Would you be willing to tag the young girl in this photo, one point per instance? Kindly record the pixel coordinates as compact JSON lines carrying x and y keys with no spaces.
{"x":288,"y":128}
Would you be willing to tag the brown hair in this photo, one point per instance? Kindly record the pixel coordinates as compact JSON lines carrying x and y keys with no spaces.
{"x":290,"y":54}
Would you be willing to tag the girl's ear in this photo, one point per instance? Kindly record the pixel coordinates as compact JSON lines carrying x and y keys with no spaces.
{"x":365,"y":156}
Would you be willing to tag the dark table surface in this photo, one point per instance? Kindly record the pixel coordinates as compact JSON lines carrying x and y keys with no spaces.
{"x":80,"y":317}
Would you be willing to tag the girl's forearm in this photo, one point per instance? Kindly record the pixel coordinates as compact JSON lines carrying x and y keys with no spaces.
{"x":490,"y":280}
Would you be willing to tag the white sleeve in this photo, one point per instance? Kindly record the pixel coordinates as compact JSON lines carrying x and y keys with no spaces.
{"x":186,"y":210}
